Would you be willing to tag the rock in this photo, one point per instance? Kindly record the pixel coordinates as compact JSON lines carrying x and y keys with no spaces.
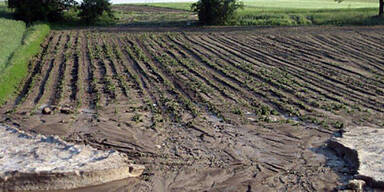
{"x":66,"y":110}
{"x":363,"y":148}
{"x":47,"y":111}
{"x":356,"y":185}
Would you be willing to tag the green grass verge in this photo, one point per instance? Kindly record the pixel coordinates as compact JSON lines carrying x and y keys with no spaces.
{"x":11,"y":34}
{"x":300,"y":12}
{"x":17,"y":67}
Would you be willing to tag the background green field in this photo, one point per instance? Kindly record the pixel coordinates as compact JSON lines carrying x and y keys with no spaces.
{"x":291,"y":4}
{"x":301,"y":12}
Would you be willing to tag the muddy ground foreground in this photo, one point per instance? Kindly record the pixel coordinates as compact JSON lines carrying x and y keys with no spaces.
{"x":222,"y":109}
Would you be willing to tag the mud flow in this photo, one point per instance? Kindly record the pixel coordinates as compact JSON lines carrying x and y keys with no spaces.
{"x":218,"y":109}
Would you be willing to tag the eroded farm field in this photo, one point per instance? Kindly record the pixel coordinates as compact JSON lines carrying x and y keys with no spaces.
{"x":209,"y":111}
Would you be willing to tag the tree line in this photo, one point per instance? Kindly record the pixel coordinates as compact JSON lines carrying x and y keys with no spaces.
{"x":53,"y":10}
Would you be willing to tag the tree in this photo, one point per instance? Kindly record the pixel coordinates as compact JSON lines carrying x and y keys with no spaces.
{"x":216,"y":12}
{"x":46,"y":10}
{"x":91,"y":10}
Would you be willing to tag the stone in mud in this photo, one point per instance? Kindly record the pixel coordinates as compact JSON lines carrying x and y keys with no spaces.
{"x":47,"y":111}
{"x":356,"y":185}
{"x":66,"y":110}
{"x":363,"y":147}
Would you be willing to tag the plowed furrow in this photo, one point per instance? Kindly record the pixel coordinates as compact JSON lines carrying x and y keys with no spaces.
{"x":299,"y":46}
{"x":105,"y":94}
{"x":126,"y":64}
{"x":356,"y":49}
{"x":221,"y":77}
{"x":261,"y":56}
{"x":277,"y":58}
{"x":93,"y":90}
{"x":165,"y":75}
{"x":318,"y":62}
{"x":346,"y":69}
{"x":116,"y":73}
{"x":179,"y":57}
{"x":62,"y":87}
{"x":313,"y":75}
{"x":47,"y":86}
{"x":76,"y":72}
{"x":242,"y":71}
{"x":187,"y":86}
{"x":48,"y":45}
{"x":137,"y":72}
{"x":350,"y":54}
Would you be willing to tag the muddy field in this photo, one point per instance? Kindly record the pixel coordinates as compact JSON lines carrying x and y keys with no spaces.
{"x":219,"y":111}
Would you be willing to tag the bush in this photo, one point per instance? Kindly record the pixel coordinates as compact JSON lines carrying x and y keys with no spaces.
{"x":45,"y":10}
{"x":216,"y":12}
{"x":91,"y":10}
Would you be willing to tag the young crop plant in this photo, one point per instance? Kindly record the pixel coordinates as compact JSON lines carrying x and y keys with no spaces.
{"x":165,"y":61}
{"x":110,"y":54}
{"x":93,"y":82}
{"x":109,"y":86}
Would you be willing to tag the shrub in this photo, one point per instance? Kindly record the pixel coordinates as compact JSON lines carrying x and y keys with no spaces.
{"x":91,"y":10}
{"x":33,"y":10}
{"x":216,"y":12}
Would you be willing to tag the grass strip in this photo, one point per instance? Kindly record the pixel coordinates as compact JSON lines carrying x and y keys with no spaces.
{"x":17,"y":66}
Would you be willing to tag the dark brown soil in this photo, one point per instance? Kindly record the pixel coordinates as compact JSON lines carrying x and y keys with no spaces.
{"x":217,"y":109}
